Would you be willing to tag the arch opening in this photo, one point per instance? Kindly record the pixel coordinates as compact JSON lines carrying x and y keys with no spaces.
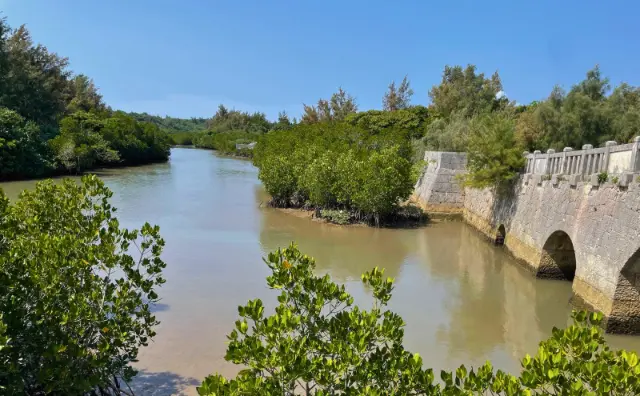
{"x":501,"y":234}
{"x":625,"y":310}
{"x":558,"y":259}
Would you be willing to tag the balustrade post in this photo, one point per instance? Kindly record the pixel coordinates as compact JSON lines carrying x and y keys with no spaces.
{"x":535,"y":158}
{"x":563,"y":169}
{"x":584,"y":159}
{"x":607,"y":149}
{"x":635,"y":156}
{"x":547,"y":165}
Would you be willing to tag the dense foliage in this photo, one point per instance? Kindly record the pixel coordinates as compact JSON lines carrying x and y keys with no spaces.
{"x":227,"y":128}
{"x":54,"y":121}
{"x":411,"y":120}
{"x":75,"y":305}
{"x":494,"y":157}
{"x":172,"y":124}
{"x":87,"y":140}
{"x":588,"y":114}
{"x":317,"y":342}
{"x":22,"y":152}
{"x":337,"y":166}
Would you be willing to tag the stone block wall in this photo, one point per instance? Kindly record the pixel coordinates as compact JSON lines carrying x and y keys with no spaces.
{"x":438,"y":189}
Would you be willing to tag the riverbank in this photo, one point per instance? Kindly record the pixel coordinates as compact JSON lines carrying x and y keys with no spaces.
{"x":60,"y":173}
{"x":242,"y":155}
{"x":408,"y":216}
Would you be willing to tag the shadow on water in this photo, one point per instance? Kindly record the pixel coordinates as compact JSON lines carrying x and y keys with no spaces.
{"x":161,"y":384}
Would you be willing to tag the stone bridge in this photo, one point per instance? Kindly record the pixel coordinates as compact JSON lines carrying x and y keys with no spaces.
{"x":573,"y":215}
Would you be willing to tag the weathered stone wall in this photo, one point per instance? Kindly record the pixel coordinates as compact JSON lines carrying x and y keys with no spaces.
{"x":545,"y":221}
{"x":560,"y":220}
{"x":438,"y":189}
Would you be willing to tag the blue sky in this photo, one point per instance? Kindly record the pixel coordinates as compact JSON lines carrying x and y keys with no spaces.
{"x":183,"y":58}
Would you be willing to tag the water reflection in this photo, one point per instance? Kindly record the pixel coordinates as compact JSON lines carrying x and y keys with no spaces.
{"x":494,"y":305}
{"x":462,"y":298}
{"x":344,"y":252}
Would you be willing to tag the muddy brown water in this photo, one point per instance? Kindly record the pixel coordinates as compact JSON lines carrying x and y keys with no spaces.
{"x":464,"y":300}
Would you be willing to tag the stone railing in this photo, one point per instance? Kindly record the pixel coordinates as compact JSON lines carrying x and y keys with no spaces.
{"x":250,"y":146}
{"x":585,"y":165}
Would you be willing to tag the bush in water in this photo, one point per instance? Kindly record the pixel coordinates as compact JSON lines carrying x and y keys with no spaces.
{"x":337,"y":166}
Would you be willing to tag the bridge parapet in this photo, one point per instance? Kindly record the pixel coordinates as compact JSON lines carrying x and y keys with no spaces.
{"x":613,"y":159}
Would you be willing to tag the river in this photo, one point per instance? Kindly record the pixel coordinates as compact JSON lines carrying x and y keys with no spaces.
{"x":464,"y":301}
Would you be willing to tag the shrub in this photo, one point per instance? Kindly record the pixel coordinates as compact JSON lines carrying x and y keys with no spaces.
{"x":337,"y":166}
{"x":615,"y":180}
{"x":385,"y":178}
{"x":336,"y":216}
{"x":603,"y":177}
{"x":75,"y":304}
{"x":319,"y":180}
{"x":319,"y":343}
{"x":280,"y":181}
{"x":494,"y":155}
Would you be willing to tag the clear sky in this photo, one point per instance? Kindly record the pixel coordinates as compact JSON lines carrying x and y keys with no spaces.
{"x":183,"y":58}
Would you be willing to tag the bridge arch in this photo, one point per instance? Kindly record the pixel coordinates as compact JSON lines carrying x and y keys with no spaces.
{"x":625,"y":310}
{"x":558,"y":259}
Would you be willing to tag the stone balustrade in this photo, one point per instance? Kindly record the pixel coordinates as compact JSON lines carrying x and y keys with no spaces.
{"x":581,"y":165}
{"x":249,"y":146}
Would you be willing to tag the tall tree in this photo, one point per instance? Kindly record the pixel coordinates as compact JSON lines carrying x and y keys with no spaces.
{"x":283,"y":121}
{"x":5,"y":30}
{"x":623,"y":109}
{"x":594,"y":86}
{"x":84,"y":95}
{"x":310,"y":115}
{"x":325,"y":112}
{"x":337,"y":108}
{"x":342,"y":104}
{"x":466,"y":91}
{"x":398,"y":98}
{"x":37,"y":81}
{"x":222,"y":112}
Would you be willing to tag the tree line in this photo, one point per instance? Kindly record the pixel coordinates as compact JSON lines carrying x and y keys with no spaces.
{"x":55,"y":121}
{"x":470,"y":112}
